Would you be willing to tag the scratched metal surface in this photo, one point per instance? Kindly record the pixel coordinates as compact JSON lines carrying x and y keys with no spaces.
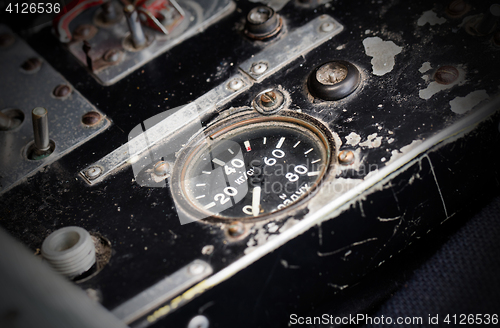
{"x":386,"y":114}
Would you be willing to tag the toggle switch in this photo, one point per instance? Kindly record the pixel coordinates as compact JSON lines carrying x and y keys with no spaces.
{"x":42,"y":145}
{"x":137,"y":36}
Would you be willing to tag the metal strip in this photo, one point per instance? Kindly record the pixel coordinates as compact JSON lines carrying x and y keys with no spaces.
{"x":295,"y":44}
{"x":184,"y":116}
{"x":162,"y":291}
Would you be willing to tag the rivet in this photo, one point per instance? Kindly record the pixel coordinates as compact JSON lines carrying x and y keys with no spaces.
{"x":161,"y":168}
{"x":93,"y":172}
{"x":31,"y":65}
{"x":235,"y":84}
{"x":112,"y":55}
{"x":259,"y":68}
{"x":236,"y":229}
{"x":91,"y":118}
{"x":62,"y":91}
{"x":196,"y":269}
{"x":200,"y":321}
{"x":327,"y":27}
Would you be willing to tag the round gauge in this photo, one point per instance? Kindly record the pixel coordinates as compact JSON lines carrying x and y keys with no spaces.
{"x":253,"y":168}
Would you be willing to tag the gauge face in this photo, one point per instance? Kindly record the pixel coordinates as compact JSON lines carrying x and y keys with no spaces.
{"x":253,"y":169}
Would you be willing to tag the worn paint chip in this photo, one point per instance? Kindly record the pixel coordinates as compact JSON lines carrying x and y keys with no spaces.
{"x":461,"y":105}
{"x":431,"y":18}
{"x":435,"y":87}
{"x":383,"y":53}
{"x":353,"y":139}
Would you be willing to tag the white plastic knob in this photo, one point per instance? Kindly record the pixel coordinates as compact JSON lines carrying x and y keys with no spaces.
{"x":70,"y":251}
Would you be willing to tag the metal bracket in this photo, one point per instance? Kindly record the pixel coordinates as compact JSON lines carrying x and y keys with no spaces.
{"x":162,"y":291}
{"x":295,"y":44}
{"x":24,"y":91}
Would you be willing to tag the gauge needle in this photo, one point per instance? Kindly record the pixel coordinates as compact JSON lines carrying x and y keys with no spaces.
{"x":256,"y":201}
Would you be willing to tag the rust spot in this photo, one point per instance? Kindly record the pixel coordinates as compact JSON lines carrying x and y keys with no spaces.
{"x":446,"y":75}
{"x":84,"y":32}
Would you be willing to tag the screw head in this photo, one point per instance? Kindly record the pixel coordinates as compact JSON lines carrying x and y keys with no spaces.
{"x":236,"y":229}
{"x":93,"y":172}
{"x":235,"y":84}
{"x":161,"y":168}
{"x":346,"y":157}
{"x":31,"y":65}
{"x":91,"y":118}
{"x":327,"y":27}
{"x":446,"y":75}
{"x":6,"y":40}
{"x":259,"y":68}
{"x":62,"y":91}
{"x":268,"y":99}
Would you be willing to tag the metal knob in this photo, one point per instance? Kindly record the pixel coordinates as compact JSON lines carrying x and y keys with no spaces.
{"x":136,"y":33}
{"x":41,"y":129}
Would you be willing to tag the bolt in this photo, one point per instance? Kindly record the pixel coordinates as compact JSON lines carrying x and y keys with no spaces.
{"x":327,"y":27}
{"x":196,"y":269}
{"x":84,"y":32}
{"x":93,"y":172}
{"x":489,"y":20}
{"x":331,"y":73}
{"x":62,"y":91}
{"x":161,"y":168}
{"x":236,"y":229}
{"x":268,"y":99}
{"x":6,"y":40}
{"x":446,"y":75}
{"x":112,"y":55}
{"x":259,"y":68}
{"x":259,"y":15}
{"x":200,"y":321}
{"x":31,"y":65}
{"x":457,"y":8}
{"x":91,"y":118}
{"x":346,"y":157}
{"x":235,"y":84}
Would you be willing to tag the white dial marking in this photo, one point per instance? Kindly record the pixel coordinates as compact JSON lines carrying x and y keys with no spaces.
{"x":232,"y":152}
{"x":280,"y":143}
{"x":310,"y":174}
{"x":256,"y":201}
{"x":218,"y":161}
{"x":307,"y":152}
{"x":199,"y":197}
{"x":201,"y":184}
{"x":206,"y":172}
{"x":212,"y":204}
{"x":316,"y":161}
{"x":247,"y":145}
{"x":265,"y":140}
{"x":296,"y":144}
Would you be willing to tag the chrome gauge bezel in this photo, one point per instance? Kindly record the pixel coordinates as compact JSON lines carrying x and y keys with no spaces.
{"x":211,"y":134}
